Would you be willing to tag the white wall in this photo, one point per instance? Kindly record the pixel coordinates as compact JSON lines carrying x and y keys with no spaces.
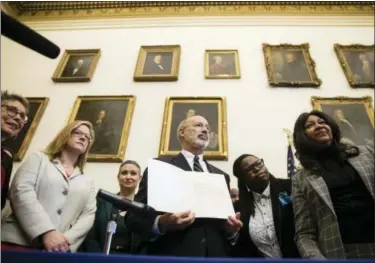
{"x":256,"y":112}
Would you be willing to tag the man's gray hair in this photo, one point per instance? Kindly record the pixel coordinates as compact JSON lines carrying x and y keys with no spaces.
{"x":180,"y":127}
{"x":5,"y":95}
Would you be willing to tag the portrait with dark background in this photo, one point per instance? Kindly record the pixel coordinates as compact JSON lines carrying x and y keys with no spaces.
{"x":158,"y":63}
{"x":14,"y":145}
{"x":361,"y":65}
{"x":107,"y":118}
{"x":75,"y":68}
{"x":354,"y":122}
{"x":289,"y":65}
{"x":182,"y":110}
{"x":220,"y":63}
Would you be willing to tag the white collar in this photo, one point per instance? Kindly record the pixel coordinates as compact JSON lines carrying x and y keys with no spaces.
{"x":189,"y":156}
{"x":266,"y":192}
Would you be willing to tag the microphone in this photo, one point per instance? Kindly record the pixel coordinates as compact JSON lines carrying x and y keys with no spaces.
{"x":18,"y":32}
{"x":123,"y":204}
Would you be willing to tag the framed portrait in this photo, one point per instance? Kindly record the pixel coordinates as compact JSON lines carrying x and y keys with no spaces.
{"x":111,"y":118}
{"x":290,"y":65}
{"x":222,"y":64}
{"x":355,"y":117}
{"x":19,"y":145}
{"x":158,"y":63}
{"x":77,"y":65}
{"x":357,"y":61}
{"x":179,"y":108}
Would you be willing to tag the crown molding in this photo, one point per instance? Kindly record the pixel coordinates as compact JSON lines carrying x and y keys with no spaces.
{"x":228,"y":21}
{"x":49,"y":10}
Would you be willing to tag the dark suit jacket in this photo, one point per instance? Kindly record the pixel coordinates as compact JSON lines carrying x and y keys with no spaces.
{"x":283,"y":220}
{"x":6,"y":172}
{"x":204,"y":238}
{"x":95,"y":239}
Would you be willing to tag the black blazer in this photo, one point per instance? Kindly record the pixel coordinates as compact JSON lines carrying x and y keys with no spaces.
{"x":283,"y":219}
{"x":204,"y":238}
{"x":95,"y":239}
{"x":6,"y":172}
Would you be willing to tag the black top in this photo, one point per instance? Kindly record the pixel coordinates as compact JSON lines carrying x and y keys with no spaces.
{"x":121,"y":240}
{"x":6,"y":171}
{"x":352,"y":202}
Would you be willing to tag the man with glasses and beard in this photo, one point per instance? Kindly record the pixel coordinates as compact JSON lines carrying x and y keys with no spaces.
{"x":181,"y":234}
{"x":266,"y":211}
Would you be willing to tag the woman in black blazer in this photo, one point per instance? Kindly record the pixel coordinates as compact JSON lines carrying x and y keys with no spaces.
{"x":266,"y":211}
{"x":124,"y":240}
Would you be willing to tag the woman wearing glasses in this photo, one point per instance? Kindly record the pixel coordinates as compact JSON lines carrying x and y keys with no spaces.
{"x":53,"y":201}
{"x":14,"y":109}
{"x":266,"y":211}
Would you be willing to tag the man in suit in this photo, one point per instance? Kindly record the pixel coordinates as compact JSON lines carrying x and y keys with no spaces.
{"x":180,"y":234}
{"x":75,"y":68}
{"x":266,"y":210}
{"x":103,"y":134}
{"x":157,"y":66}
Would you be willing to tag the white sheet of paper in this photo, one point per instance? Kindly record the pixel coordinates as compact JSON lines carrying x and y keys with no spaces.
{"x":171,"y":189}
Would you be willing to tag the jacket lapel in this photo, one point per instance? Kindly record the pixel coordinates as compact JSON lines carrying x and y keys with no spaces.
{"x":365,"y":172}
{"x":276,"y":209}
{"x":320,"y":187}
{"x":59,"y":167}
{"x":209,"y":168}
{"x":180,"y":161}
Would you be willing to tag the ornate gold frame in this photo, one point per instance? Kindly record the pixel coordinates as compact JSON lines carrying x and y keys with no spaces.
{"x":366,"y":101}
{"x":58,"y":10}
{"x":69,"y":52}
{"x":222,"y":154}
{"x":125,"y":129}
{"x":339,"y":49}
{"x":221,"y":76}
{"x":316,"y":82}
{"x":33,"y":126}
{"x":176,"y":49}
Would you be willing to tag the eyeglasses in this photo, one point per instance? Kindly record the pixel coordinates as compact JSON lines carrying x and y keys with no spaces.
{"x":255,"y":166}
{"x":13,"y":111}
{"x":79,"y":134}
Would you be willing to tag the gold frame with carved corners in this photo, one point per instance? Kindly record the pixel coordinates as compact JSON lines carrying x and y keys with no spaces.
{"x":222,"y":153}
{"x":310,"y":64}
{"x":340,"y":49}
{"x":119,"y":156}
{"x":207,"y":74}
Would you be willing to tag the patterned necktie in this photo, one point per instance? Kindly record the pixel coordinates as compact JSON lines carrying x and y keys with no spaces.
{"x":196,"y":166}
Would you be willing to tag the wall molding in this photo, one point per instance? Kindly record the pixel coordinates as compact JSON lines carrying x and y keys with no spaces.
{"x":60,"y":10}
{"x":228,"y":21}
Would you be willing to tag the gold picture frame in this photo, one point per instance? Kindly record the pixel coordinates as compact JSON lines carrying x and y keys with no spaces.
{"x":355,"y":117}
{"x":77,"y":65}
{"x":179,"y":108}
{"x":111,"y":117}
{"x":290,"y":65}
{"x":222,"y":64}
{"x":20,"y":144}
{"x":357,"y":62}
{"x":158,"y":63}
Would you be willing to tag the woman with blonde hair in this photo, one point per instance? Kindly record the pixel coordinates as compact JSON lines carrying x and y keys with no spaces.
{"x":53,"y":202}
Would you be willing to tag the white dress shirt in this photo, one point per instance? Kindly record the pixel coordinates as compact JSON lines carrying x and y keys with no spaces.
{"x":190,"y":159}
{"x":261,"y":225}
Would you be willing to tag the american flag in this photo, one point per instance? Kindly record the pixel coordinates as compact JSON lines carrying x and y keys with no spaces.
{"x":290,"y":162}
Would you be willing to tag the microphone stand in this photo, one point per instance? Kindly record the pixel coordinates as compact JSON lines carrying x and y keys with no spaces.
{"x":111,"y":229}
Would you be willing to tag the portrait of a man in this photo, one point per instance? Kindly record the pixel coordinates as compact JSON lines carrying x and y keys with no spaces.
{"x":357,"y":62}
{"x":212,"y":110}
{"x":19,"y":145}
{"x":157,"y":63}
{"x":77,"y":65}
{"x":353,"y":119}
{"x":222,"y":64}
{"x":109,"y":116}
{"x":290,"y":65}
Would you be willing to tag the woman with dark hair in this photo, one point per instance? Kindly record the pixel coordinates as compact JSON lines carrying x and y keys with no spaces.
{"x":266,"y":211}
{"x":123,"y":240}
{"x":333,"y":195}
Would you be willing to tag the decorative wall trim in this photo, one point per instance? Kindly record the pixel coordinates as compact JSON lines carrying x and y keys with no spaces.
{"x":229,"y":21}
{"x":50,"y":10}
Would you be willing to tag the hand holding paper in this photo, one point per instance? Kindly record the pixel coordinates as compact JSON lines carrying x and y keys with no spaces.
{"x":172,"y":190}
